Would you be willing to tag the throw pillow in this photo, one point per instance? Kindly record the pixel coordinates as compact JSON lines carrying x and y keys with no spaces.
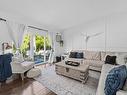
{"x":110,"y":60}
{"x":79,"y":55}
{"x":115,"y":80}
{"x":73,"y":54}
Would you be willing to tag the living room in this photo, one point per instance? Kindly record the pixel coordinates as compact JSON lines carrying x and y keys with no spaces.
{"x":82,"y":50}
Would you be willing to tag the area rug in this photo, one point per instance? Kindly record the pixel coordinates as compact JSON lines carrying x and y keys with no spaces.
{"x":65,"y":86}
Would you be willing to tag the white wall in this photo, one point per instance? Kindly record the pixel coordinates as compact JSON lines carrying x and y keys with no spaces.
{"x":113,"y":37}
{"x":117,"y":32}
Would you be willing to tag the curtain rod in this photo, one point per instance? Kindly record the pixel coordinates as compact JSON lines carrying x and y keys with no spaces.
{"x":38,"y":28}
{"x":28,"y":26}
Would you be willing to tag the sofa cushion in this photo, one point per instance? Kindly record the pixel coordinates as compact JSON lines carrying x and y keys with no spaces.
{"x":94,"y":63}
{"x":115,"y":80}
{"x":103,"y":54}
{"x":92,"y":55}
{"x":110,"y":60}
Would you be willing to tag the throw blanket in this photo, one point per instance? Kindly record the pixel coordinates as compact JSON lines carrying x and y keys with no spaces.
{"x":5,"y":66}
{"x":115,"y":80}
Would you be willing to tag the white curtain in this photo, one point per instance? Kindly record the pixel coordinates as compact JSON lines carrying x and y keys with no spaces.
{"x":16,"y":32}
{"x":51,"y":39}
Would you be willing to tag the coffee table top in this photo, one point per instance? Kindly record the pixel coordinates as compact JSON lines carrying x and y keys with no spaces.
{"x":81,"y":67}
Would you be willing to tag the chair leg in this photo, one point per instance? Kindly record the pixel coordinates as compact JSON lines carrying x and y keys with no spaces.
{"x":22,"y":76}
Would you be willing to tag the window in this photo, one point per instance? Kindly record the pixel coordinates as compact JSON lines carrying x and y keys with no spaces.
{"x":41,"y":48}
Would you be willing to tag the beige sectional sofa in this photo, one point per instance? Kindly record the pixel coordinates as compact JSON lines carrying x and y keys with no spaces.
{"x":92,"y":58}
{"x":100,"y":90}
{"x":95,"y":60}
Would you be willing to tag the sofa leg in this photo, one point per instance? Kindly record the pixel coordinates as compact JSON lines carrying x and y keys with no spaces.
{"x":22,"y":76}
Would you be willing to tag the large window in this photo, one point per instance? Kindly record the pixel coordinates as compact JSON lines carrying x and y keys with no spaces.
{"x":41,"y":48}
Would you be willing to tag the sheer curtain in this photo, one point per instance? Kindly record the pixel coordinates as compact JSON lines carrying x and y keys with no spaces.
{"x":51,"y":39}
{"x":16,"y":32}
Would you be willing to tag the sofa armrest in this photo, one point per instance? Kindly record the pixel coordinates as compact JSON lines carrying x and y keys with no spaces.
{"x":121,"y":92}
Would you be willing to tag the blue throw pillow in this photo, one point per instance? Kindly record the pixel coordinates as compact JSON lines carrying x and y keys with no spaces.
{"x":115,"y":80}
{"x":72,"y":54}
{"x":79,"y":55}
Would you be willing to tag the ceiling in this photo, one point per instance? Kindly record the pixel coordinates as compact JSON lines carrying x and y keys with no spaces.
{"x":60,"y":14}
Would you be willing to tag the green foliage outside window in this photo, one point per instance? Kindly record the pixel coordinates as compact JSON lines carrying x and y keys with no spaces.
{"x":39,"y":40}
{"x":26,"y":44}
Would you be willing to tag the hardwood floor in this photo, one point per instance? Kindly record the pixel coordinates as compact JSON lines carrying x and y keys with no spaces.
{"x":28,"y":87}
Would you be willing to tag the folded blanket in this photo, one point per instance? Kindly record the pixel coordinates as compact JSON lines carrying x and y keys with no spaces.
{"x":5,"y":66}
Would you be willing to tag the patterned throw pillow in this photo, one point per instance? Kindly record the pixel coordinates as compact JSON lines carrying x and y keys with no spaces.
{"x":115,"y":80}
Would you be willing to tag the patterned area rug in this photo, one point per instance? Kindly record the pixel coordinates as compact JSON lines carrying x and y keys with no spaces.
{"x":65,"y":86}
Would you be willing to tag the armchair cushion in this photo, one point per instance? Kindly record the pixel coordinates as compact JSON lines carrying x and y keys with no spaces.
{"x":22,"y":67}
